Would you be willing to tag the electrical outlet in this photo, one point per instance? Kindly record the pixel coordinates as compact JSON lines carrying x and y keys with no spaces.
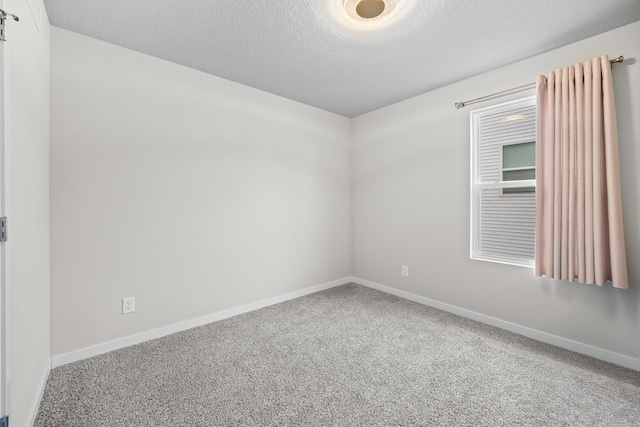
{"x":405,"y":271}
{"x":128,"y":305}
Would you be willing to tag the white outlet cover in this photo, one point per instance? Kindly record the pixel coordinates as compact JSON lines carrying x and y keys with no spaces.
{"x":128,"y":305}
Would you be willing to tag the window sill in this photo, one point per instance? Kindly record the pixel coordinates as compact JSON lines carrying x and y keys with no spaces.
{"x":509,"y":261}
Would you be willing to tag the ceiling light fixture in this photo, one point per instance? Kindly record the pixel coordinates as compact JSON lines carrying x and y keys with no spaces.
{"x":369,"y":12}
{"x":369,"y":9}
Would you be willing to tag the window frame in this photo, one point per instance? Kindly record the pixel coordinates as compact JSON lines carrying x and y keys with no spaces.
{"x":476,"y":185}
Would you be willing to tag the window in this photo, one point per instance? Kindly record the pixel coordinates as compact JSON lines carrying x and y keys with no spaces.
{"x":503,"y":172}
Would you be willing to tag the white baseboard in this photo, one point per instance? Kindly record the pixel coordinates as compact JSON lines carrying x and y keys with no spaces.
{"x":35,"y":406}
{"x":578,"y":347}
{"x":84,"y":353}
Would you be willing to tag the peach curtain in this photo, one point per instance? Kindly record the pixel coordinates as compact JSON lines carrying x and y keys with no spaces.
{"x":579,"y":233}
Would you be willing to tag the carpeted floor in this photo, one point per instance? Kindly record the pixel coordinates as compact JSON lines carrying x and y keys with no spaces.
{"x":344,"y":357}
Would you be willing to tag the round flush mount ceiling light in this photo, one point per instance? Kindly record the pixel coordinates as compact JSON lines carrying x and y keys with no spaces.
{"x":369,"y":13}
{"x":369,"y":9}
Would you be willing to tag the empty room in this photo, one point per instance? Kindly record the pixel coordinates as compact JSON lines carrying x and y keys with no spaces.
{"x":326,"y":212}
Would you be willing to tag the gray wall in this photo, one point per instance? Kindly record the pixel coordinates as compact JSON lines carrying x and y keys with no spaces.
{"x":411,"y":205}
{"x":28,"y":207}
{"x":192,"y":193}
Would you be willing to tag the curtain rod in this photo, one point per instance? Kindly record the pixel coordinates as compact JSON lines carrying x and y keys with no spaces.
{"x":463,"y":104}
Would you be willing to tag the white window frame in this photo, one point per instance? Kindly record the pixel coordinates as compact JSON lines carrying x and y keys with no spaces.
{"x":477,"y":185}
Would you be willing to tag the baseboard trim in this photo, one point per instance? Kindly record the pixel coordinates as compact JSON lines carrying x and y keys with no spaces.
{"x":84,"y":353}
{"x":35,"y":406}
{"x":578,"y":347}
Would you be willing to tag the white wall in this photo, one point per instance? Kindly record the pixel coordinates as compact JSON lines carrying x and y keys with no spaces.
{"x":192,"y":193}
{"x":28,"y":206}
{"x":411,"y":205}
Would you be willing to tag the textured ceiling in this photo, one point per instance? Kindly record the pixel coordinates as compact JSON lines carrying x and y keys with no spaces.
{"x":303,"y":50}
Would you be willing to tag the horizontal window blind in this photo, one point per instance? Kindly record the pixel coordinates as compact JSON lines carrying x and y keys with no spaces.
{"x":503,"y":222}
{"x":507,"y":224}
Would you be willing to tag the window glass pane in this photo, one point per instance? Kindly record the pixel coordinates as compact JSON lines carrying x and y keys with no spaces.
{"x":518,"y":175}
{"x":519,"y":155}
